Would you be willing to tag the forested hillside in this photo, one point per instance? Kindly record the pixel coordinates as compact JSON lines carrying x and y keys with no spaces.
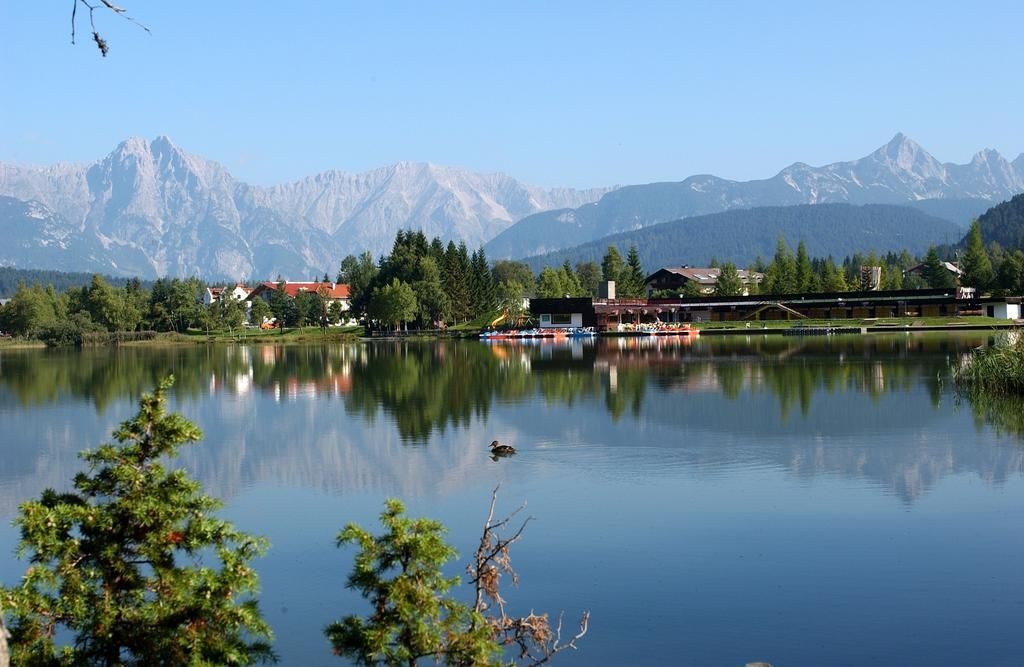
{"x":61,"y":280}
{"x":741,"y":236}
{"x":1004,"y":224}
{"x":960,"y":211}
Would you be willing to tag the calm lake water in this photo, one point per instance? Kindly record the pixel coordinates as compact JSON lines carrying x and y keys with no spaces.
{"x":822,"y":501}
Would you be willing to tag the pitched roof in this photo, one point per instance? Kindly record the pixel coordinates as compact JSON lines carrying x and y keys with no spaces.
{"x":949,"y":266}
{"x":705,"y":276}
{"x":327,"y":290}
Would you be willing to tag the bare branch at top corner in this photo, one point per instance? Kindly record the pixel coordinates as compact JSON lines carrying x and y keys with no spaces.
{"x":101,"y":43}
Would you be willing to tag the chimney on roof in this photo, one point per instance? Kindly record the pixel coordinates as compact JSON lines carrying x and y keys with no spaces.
{"x":606,"y":290}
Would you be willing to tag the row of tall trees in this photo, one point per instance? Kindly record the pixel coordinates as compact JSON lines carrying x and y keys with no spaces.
{"x":790,"y":272}
{"x":423,"y":282}
{"x":430,"y":284}
{"x":628,"y":276}
{"x":986,"y":268}
{"x":583,"y":279}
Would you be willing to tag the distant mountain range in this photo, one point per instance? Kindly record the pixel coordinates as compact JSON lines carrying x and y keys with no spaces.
{"x":742,"y":235}
{"x":901,"y":172}
{"x":151,"y":209}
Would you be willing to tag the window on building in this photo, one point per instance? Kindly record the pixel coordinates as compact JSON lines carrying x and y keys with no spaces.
{"x":545,"y":318}
{"x":561,"y":318}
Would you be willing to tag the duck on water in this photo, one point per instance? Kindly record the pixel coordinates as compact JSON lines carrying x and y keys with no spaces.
{"x":499,"y":449}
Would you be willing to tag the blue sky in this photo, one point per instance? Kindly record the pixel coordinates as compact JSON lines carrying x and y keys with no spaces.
{"x":554,"y":93}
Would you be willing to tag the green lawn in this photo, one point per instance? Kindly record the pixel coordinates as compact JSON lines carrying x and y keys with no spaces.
{"x":14,"y":343}
{"x":293,"y":335}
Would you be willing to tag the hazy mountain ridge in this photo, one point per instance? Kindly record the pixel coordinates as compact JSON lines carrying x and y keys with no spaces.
{"x":900,"y":172}
{"x":741,"y":235}
{"x":152,"y":209}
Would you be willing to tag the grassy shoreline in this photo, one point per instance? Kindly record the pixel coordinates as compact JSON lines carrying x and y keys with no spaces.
{"x":996,"y":370}
{"x":20,"y":343}
{"x":246,"y":336}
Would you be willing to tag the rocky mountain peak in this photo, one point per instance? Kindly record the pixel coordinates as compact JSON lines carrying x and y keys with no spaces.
{"x":905,"y":154}
{"x":988,"y":156}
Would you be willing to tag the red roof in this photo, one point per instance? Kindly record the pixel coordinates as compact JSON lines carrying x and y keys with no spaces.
{"x":327,"y":290}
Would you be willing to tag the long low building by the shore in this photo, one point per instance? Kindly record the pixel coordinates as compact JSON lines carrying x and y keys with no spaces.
{"x":607,"y":314}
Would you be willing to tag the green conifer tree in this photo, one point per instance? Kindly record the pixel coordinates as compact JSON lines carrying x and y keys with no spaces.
{"x":611,"y":264}
{"x":484,"y":300}
{"x":804,"y":273}
{"x":934,"y":272}
{"x":833,"y":279}
{"x":120,"y":563}
{"x":631,"y":280}
{"x":977,"y":267}
{"x":729,"y":283}
{"x":400,"y":573}
{"x":455,"y":277}
{"x":570,"y":283}
{"x":780,"y":274}
{"x":589,"y":276}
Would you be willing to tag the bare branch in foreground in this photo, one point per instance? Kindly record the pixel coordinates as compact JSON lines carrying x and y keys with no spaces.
{"x":101,"y":43}
{"x":532,"y":634}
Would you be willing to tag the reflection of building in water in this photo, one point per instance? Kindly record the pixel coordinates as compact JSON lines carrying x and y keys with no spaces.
{"x":332,"y":385}
{"x":239,"y":384}
{"x":287,"y":373}
{"x":878,"y":377}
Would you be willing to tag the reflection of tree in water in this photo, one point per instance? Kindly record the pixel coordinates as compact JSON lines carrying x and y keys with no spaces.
{"x":103,"y":375}
{"x":423,"y":388}
{"x":1004,"y":413}
{"x":430,"y":385}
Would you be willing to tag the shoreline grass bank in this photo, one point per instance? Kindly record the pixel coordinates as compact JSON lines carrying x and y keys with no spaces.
{"x":994,"y":370}
{"x":247,"y":336}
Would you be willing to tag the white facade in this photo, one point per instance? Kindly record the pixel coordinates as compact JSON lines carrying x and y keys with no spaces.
{"x":1003,"y":311}
{"x":238,"y":293}
{"x":560,"y":321}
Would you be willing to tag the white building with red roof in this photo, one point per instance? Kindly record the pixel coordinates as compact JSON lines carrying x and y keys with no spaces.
{"x":329,"y":291}
{"x":239,"y":292}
